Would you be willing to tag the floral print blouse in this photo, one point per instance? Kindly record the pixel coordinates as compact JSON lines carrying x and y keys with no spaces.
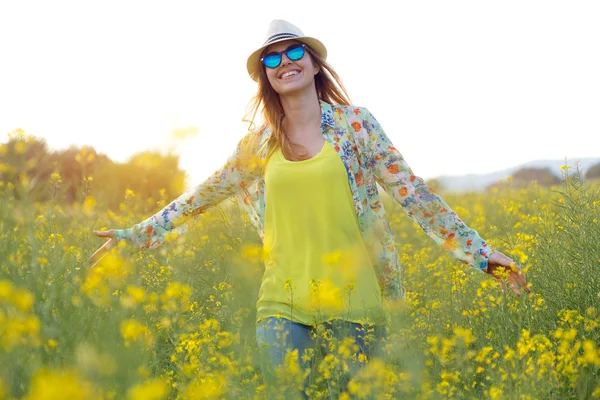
{"x":369,"y":158}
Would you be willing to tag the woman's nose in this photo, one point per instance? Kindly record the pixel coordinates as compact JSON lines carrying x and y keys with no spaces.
{"x":285,"y":60}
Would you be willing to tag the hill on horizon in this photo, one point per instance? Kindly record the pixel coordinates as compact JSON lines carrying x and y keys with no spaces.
{"x":478,"y":182}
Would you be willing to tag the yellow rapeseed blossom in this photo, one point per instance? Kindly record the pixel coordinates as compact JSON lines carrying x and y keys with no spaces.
{"x":252,"y":253}
{"x":495,"y":393}
{"x":176,"y":297}
{"x":109,"y":274}
{"x":138,"y":294}
{"x":23,"y":300}
{"x":155,"y":389}
{"x":465,"y":334}
{"x":133,"y":330}
{"x":325,"y":297}
{"x":55,"y":179}
{"x":172,"y":235}
{"x":333,"y":258}
{"x":20,"y":147}
{"x":88,"y":205}
{"x":60,"y":385}
{"x":6,"y":290}
{"x":591,"y":354}
{"x":212,"y":386}
{"x":18,"y":326}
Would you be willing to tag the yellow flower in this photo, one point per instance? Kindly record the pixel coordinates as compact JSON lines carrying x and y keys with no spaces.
{"x":20,"y":147}
{"x":291,"y":362}
{"x":137,"y":293}
{"x":347,"y":348}
{"x":55,"y":178}
{"x":23,"y":300}
{"x":253,"y":253}
{"x":591,"y":355}
{"x":152,"y":390}
{"x":88,"y":205}
{"x":510,"y":353}
{"x":495,"y":393}
{"x":173,"y":235}
{"x":58,"y":385}
{"x":6,"y":289}
{"x":325,"y":296}
{"x":209,"y":387}
{"x":288,"y":286}
{"x":176,"y":297}
{"x":132,"y":330}
{"x":333,"y":258}
{"x":465,"y":334}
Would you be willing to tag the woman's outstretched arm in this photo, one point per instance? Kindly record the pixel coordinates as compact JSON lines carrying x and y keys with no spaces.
{"x":428,"y":209}
{"x":236,"y":174}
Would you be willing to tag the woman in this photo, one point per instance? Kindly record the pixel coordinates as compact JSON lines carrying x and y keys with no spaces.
{"x":307,"y":178}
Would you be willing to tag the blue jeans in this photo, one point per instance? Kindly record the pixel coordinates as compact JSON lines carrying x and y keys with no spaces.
{"x":277,"y":336}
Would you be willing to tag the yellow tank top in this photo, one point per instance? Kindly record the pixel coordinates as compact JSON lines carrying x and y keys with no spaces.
{"x":317,"y":267}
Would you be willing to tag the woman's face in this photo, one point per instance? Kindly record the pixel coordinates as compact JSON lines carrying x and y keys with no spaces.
{"x":303,"y":71}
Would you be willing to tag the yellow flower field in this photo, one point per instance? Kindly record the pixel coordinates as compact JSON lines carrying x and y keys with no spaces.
{"x":178,"y":322}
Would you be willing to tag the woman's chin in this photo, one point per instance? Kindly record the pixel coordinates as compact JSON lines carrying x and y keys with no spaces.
{"x":290,"y":88}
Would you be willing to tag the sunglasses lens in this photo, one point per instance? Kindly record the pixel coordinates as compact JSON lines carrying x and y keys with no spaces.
{"x":272,"y":60}
{"x":295,"y":52}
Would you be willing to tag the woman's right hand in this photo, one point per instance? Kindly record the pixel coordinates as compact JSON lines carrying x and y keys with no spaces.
{"x":110,"y":243}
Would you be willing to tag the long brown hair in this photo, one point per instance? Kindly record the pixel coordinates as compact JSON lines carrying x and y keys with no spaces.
{"x":266,"y":101}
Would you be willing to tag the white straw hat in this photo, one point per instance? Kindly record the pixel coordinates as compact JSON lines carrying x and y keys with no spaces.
{"x":281,"y":30}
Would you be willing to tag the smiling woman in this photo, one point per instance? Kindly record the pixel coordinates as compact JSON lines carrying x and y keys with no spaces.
{"x":307,"y":176}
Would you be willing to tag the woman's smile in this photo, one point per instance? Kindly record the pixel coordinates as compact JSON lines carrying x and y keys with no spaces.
{"x":291,"y":74}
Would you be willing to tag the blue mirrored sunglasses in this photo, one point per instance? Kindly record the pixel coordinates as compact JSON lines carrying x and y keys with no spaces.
{"x":294,"y":53}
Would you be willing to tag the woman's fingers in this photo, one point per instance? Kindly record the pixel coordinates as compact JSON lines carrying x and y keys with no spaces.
{"x":97,"y":254}
{"x":507,"y":260}
{"x":520,"y":278}
{"x":100,"y":252}
{"x":105,"y":247}
{"x":500,"y":259}
{"x":513,"y":285}
{"x":516,"y":280}
{"x":109,"y":234}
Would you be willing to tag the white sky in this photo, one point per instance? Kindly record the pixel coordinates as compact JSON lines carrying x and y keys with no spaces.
{"x":459,"y":86}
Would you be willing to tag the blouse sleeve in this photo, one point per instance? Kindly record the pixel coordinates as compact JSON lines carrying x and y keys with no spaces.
{"x":425,"y":207}
{"x":175,"y":219}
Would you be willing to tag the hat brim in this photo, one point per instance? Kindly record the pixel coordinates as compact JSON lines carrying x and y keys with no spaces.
{"x":253,"y":64}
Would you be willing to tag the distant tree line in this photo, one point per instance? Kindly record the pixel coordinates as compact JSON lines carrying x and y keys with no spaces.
{"x":593,"y":172}
{"x":74,"y":174}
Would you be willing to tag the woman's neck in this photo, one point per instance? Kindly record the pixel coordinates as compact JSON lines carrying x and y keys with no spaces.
{"x":302,"y":114}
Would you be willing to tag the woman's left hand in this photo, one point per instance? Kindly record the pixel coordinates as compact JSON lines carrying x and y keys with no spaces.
{"x":499,"y":265}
